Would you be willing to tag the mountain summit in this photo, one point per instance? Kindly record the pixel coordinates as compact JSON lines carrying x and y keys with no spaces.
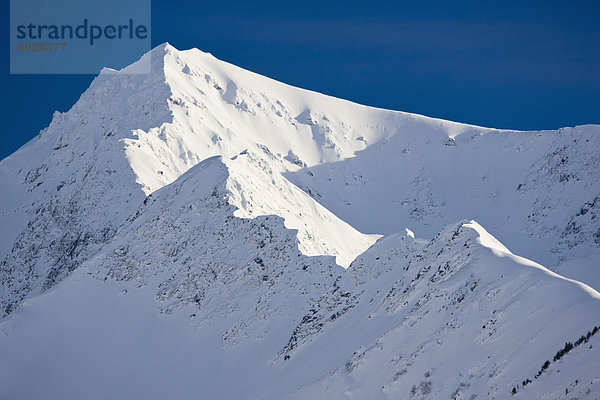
{"x":176,"y":232}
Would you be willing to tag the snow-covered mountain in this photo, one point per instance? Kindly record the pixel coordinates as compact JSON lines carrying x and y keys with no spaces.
{"x":206,"y":232}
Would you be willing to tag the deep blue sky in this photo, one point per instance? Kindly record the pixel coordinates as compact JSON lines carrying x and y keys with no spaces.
{"x":518,"y":65}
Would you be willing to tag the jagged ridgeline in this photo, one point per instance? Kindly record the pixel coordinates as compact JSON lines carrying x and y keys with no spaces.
{"x":203,"y":231}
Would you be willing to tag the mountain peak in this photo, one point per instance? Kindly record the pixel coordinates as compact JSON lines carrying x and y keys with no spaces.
{"x":230,"y":202}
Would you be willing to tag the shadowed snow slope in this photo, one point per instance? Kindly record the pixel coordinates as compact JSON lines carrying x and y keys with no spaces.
{"x":176,"y":232}
{"x":237,"y":302}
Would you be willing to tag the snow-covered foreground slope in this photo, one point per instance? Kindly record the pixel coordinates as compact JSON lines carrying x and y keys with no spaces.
{"x":187,"y":298}
{"x":176,"y":232}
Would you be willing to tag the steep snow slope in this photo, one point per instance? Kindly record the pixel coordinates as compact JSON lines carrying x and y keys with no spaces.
{"x":536,"y":191}
{"x":66,"y":192}
{"x":257,"y":188}
{"x":238,"y":285}
{"x":379,"y":169}
{"x":187,"y":229}
{"x":187,"y":298}
{"x":71,"y":188}
{"x":462,"y":318}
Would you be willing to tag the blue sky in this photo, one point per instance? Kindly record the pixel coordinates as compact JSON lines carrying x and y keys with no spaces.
{"x":518,"y":65}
